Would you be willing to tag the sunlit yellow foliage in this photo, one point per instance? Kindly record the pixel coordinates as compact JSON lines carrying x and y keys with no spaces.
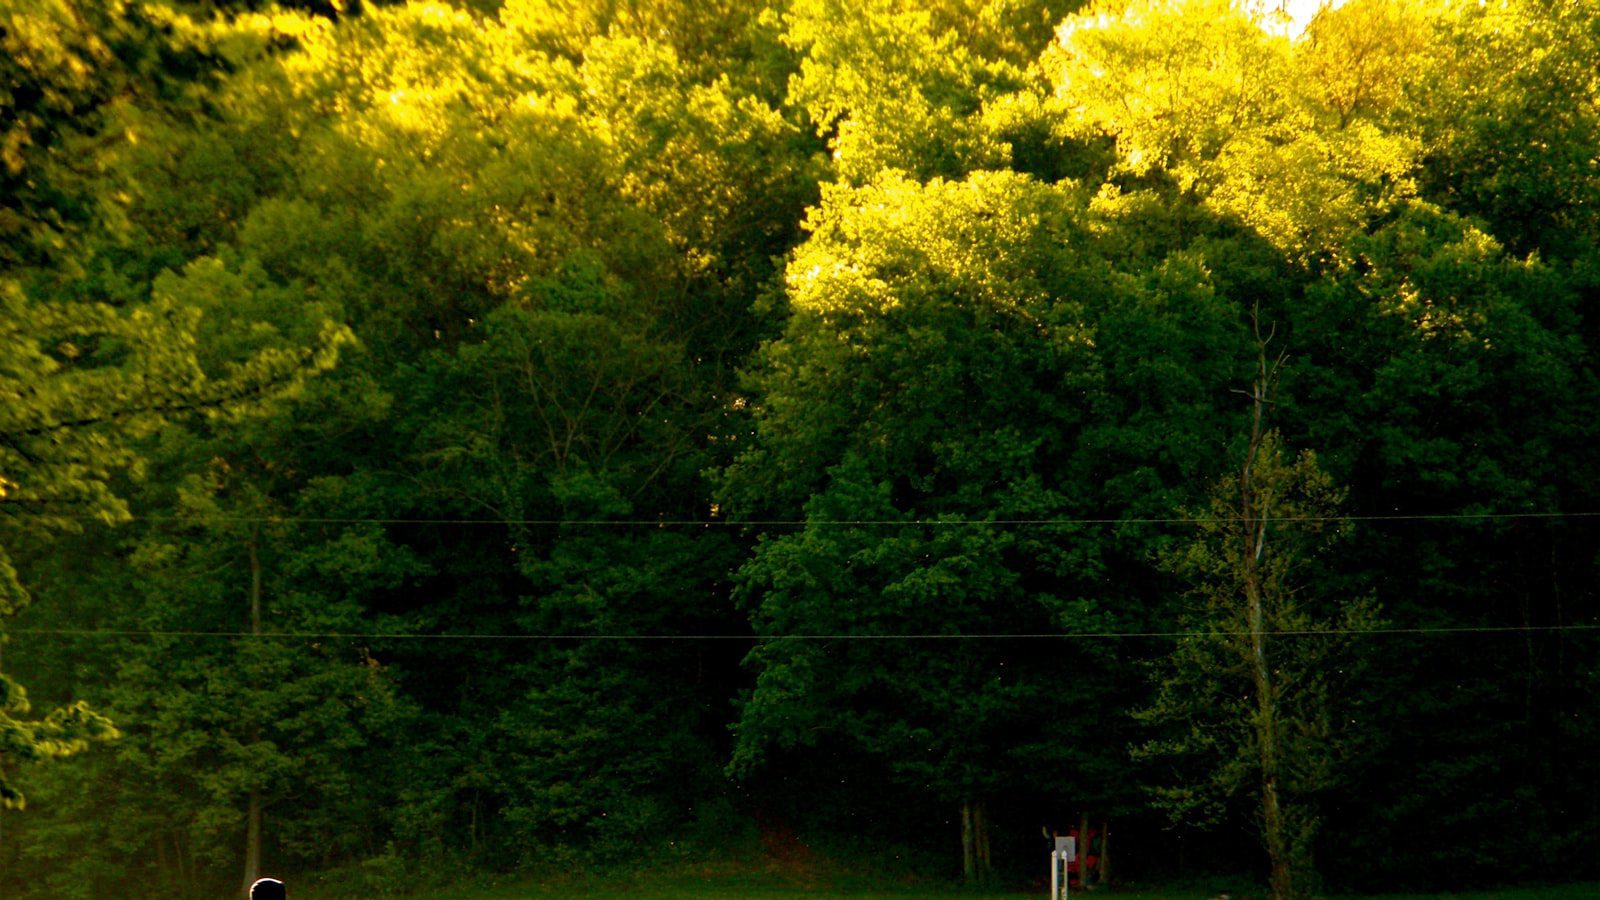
{"x":975,"y":239}
{"x":1356,"y":58}
{"x":47,"y":38}
{"x":676,"y":138}
{"x":1173,"y":81}
{"x":1305,"y":194}
{"x":703,"y":32}
{"x":1198,"y":90}
{"x":1507,"y":105}
{"x":895,"y":87}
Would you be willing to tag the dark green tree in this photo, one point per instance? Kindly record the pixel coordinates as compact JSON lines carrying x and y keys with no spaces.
{"x":1260,"y":692}
{"x":84,"y":382}
{"x":951,"y":351}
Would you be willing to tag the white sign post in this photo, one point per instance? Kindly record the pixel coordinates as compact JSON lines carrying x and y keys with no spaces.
{"x":1066,"y":851}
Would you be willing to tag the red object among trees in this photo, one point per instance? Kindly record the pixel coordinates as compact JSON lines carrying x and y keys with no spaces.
{"x":1092,"y":858}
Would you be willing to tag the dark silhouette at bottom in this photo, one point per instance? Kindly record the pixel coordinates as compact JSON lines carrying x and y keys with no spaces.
{"x":268,"y":889}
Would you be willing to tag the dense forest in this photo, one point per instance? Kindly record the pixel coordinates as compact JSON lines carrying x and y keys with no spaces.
{"x":549,"y":432}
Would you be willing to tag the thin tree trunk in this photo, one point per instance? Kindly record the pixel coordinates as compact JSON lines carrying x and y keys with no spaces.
{"x":1531,"y":670}
{"x":1105,"y":854}
{"x":1267,"y":740}
{"x":255,"y":582}
{"x":1255,"y":510}
{"x":252,"y":841}
{"x":980,"y":838}
{"x":1560,"y":633}
{"x":969,"y":861}
{"x":252,"y":838}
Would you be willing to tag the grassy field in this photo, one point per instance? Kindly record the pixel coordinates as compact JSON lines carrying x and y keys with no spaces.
{"x":756,"y":889}
{"x":745,"y":881}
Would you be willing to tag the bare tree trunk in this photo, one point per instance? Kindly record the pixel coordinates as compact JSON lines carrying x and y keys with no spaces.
{"x":1255,"y":511}
{"x":975,"y":858}
{"x":1282,"y":882}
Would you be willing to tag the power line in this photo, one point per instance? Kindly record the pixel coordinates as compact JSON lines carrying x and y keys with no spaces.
{"x":986,"y":636}
{"x":802,"y":523}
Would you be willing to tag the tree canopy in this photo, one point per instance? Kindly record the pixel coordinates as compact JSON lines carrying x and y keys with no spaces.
{"x":470,"y":436}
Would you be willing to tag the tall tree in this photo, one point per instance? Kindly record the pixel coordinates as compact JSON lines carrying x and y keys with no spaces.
{"x":1258,"y":690}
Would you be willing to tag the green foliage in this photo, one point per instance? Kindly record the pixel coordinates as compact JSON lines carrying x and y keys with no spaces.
{"x":84,"y":382}
{"x":1506,"y":141}
{"x":1261,"y":694}
{"x":895,"y":87}
{"x":959,"y":358}
{"x":1201,"y":96}
{"x":1457,"y":320}
{"x":940,"y":304}
{"x":63,"y":732}
{"x":65,"y":65}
